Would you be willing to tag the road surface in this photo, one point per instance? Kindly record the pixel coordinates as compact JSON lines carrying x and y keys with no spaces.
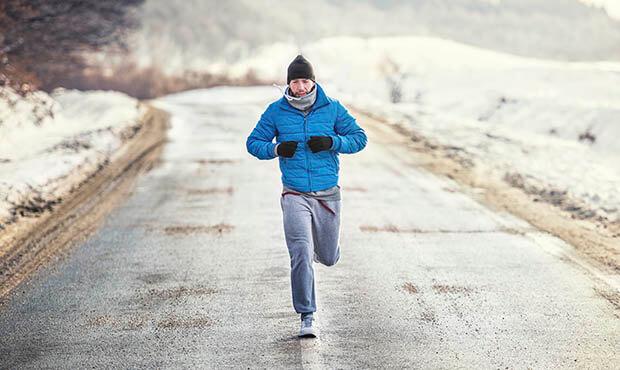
{"x":192,"y":270}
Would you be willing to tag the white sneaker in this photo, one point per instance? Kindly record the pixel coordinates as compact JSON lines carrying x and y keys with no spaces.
{"x":307,"y":329}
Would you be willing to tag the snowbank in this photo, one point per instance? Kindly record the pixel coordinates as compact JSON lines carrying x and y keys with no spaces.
{"x":556,"y":125}
{"x":51,"y":143}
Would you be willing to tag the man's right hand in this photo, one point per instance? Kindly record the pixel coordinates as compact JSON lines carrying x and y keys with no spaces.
{"x":287,"y":148}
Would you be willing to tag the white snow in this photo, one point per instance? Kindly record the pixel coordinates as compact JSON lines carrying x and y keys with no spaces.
{"x":51,"y":143}
{"x":612,"y":7}
{"x":557,"y":124}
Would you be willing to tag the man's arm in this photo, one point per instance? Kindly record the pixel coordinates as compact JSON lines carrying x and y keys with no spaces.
{"x":350,"y":137}
{"x":260,"y":142}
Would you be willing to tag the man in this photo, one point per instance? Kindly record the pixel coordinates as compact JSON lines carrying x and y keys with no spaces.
{"x":310,"y":129}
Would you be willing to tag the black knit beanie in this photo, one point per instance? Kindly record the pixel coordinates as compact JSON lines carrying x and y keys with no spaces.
{"x":299,"y":68}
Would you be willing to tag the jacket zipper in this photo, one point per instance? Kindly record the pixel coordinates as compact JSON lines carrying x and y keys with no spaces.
{"x":305,"y":141}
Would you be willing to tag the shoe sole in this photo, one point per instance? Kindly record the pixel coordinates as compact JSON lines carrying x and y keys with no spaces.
{"x":307,"y":334}
{"x":310,"y":335}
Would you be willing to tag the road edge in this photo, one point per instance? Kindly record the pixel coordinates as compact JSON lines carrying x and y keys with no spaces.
{"x":591,"y":248}
{"x":33,"y":242}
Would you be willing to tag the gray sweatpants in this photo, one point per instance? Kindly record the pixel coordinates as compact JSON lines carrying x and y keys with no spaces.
{"x":310,"y":228}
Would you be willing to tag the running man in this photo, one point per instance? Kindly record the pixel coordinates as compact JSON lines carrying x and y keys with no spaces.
{"x":311,"y":130}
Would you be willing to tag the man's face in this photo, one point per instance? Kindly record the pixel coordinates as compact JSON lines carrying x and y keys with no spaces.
{"x":301,"y":86}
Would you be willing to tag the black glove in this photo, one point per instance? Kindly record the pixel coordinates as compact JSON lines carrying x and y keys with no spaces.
{"x":287,"y":149}
{"x":319,"y":143}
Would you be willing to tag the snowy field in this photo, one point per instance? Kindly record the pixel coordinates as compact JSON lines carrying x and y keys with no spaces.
{"x":552,"y":127}
{"x":50,"y":144}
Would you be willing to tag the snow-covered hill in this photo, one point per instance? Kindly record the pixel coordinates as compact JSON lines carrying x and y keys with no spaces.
{"x":50,"y":143}
{"x":178,"y":37}
{"x":553,"y":125}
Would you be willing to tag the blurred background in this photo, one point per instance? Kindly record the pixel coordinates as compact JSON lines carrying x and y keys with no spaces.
{"x":153,"y":47}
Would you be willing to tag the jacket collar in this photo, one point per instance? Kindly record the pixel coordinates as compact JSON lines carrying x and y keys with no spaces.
{"x":321,"y":100}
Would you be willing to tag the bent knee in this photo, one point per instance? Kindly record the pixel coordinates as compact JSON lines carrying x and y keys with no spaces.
{"x":331,"y":261}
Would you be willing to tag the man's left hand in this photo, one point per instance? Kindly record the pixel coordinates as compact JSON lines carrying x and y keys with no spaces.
{"x":319,"y":143}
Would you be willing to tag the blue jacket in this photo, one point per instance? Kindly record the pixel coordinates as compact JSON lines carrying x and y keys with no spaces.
{"x":307,"y":171}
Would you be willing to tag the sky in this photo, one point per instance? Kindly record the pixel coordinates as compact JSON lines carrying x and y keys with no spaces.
{"x":611,"y":6}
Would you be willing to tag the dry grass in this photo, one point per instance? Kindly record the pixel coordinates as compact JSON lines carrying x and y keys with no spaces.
{"x":410,"y":288}
{"x":151,"y":82}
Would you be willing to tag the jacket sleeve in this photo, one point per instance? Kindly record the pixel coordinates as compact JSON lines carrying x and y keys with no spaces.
{"x":350,"y":137}
{"x":260,"y":142}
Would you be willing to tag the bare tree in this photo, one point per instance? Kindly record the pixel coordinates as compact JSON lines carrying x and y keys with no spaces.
{"x":42,"y":40}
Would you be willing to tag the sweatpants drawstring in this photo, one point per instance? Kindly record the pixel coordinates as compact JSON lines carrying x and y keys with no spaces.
{"x":321,"y":202}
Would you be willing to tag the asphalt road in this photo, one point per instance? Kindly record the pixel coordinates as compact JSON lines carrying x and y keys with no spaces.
{"x":192,"y":271}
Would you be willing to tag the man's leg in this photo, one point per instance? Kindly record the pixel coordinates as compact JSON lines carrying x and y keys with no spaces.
{"x":326,"y":231}
{"x":297,"y":218}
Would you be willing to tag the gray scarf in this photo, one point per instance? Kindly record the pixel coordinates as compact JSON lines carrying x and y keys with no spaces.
{"x":303,"y":103}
